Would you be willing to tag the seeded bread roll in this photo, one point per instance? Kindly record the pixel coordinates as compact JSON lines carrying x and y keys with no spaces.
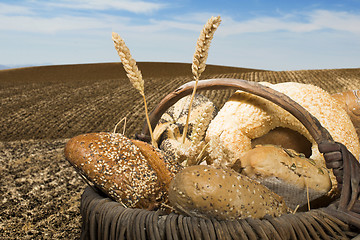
{"x":291,"y":175}
{"x":210,"y":192}
{"x":131,"y":172}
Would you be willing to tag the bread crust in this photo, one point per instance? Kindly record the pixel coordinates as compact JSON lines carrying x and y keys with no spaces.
{"x":266,"y":161}
{"x":164,"y":167}
{"x":210,"y":192}
{"x":135,"y":177}
{"x":292,"y":176}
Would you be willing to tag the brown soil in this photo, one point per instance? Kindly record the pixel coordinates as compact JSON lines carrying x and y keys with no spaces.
{"x":42,"y":107}
{"x":39,"y":191}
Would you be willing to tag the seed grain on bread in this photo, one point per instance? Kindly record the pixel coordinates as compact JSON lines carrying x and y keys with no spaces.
{"x":207,"y":192}
{"x":136,"y":175}
{"x":285,"y":172}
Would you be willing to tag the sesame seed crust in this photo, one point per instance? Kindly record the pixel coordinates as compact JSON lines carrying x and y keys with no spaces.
{"x":118,"y":167}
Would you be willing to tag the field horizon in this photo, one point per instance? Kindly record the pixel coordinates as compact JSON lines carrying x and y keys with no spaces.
{"x":107,"y":70}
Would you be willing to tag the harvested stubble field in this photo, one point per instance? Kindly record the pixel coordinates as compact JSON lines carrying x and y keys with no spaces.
{"x":42,"y":107}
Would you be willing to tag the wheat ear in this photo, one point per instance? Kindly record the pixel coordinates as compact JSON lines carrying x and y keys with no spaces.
{"x":133,"y":73}
{"x":201,"y":124}
{"x":200,"y":57}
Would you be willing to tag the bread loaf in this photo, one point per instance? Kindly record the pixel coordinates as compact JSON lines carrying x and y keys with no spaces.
{"x":290,"y":175}
{"x":210,"y":192}
{"x":131,"y":172}
{"x":285,"y":138}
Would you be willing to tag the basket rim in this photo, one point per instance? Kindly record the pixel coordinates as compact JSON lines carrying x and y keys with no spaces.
{"x":111,"y":218}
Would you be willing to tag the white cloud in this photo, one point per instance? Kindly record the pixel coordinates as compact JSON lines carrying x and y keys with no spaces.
{"x":342,"y":21}
{"x":195,"y":17}
{"x":55,"y":24}
{"x":13,"y":9}
{"x":176,"y":25}
{"x":50,"y":17}
{"x":126,"y":5}
{"x":306,"y":22}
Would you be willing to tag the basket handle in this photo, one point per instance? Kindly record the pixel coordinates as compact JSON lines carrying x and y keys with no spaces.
{"x":314,"y":127}
{"x":337,"y":157}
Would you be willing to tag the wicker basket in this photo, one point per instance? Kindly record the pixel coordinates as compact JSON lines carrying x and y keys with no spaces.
{"x":104,"y":218}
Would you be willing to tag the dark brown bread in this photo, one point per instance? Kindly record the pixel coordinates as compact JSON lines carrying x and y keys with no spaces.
{"x":131,"y":172}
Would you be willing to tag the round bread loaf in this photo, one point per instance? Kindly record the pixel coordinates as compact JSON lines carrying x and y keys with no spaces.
{"x":290,"y":175}
{"x":131,"y":172}
{"x":210,"y":192}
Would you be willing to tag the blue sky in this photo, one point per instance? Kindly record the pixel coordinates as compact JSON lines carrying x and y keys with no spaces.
{"x":262,"y":34}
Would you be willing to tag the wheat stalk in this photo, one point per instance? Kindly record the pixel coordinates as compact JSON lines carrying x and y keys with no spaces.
{"x":124,"y":127}
{"x":307,"y":194}
{"x":133,"y":73}
{"x":203,"y":45}
{"x":200,"y":57}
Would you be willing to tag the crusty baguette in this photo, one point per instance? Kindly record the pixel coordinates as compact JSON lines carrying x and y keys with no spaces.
{"x":163,"y":166}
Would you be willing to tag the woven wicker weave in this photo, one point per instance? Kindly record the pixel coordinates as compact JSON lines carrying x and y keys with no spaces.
{"x":106,"y":219}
